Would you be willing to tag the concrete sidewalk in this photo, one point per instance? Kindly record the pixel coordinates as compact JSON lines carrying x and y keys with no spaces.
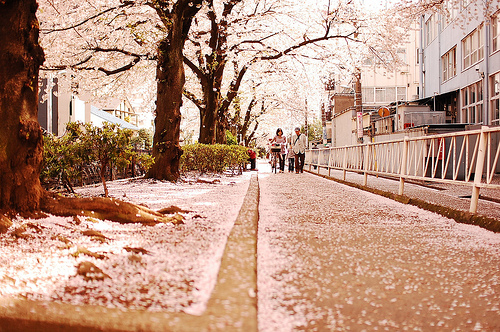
{"x":452,"y":201}
{"x":335,"y":258}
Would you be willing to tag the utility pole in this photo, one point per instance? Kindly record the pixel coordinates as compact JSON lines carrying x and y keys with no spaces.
{"x":306,"y":128}
{"x":358,"y":104}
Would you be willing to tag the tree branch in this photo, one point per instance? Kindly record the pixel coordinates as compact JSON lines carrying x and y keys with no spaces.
{"x":123,"y":5}
{"x":192,"y":97}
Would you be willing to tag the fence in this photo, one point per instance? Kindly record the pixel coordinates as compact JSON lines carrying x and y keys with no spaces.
{"x":467,"y":158}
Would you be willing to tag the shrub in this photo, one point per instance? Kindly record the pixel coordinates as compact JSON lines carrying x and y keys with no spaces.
{"x":84,"y":146}
{"x":230,"y":138}
{"x":216,"y":158}
{"x":64,"y":157}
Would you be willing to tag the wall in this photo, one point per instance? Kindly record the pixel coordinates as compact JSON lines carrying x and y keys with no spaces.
{"x":342,"y":129}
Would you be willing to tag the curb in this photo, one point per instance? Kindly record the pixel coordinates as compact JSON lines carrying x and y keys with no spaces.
{"x":485,"y":222}
{"x":232,"y":305}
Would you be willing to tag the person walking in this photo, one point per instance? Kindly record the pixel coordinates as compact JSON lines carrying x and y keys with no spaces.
{"x":252,"y":156}
{"x":291,"y":158}
{"x":299,"y":148}
{"x":281,"y":140}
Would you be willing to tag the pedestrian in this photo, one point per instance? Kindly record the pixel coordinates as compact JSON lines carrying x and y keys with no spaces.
{"x":280,"y":140}
{"x":252,"y":156}
{"x":291,"y":158}
{"x":299,"y":148}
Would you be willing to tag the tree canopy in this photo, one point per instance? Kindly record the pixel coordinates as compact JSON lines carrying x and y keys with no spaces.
{"x":238,"y":53}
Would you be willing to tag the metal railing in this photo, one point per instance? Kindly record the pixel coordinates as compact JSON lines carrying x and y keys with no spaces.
{"x":467,"y":158}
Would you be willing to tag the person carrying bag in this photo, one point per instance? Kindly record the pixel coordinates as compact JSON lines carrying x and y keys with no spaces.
{"x":299,"y":148}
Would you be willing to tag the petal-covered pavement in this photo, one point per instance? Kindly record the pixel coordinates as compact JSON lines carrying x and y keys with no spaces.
{"x":334,"y":258}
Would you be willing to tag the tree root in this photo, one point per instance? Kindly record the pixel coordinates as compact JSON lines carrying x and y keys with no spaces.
{"x":105,"y":209}
{"x":5,"y":223}
{"x":172,"y":210}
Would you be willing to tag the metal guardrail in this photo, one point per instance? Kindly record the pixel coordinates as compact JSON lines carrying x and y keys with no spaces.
{"x":468,"y":158}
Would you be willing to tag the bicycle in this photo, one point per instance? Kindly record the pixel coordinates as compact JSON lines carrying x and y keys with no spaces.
{"x":275,"y":150}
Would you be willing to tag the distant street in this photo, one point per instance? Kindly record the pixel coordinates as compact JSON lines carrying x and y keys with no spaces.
{"x":334,"y":258}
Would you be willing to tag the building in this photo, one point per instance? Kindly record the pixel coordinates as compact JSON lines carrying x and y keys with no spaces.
{"x":121,"y":109}
{"x":98,"y":117}
{"x":380,"y":88}
{"x":460,"y":62}
{"x":450,"y":83}
{"x":56,"y":109}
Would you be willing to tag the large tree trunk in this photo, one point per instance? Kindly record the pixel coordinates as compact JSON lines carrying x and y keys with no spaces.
{"x":222,"y":126}
{"x":210,"y":72}
{"x":208,"y":116}
{"x":21,"y":140}
{"x":170,"y":76}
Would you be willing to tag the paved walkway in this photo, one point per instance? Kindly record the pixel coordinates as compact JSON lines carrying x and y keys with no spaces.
{"x":335,"y":258}
{"x":454,"y":197}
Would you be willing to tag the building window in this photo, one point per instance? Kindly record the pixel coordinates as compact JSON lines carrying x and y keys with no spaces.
{"x":449,"y":13}
{"x":449,"y":64}
{"x":472,"y":47}
{"x":401,"y":54}
{"x":431,"y":29}
{"x":384,"y":94}
{"x":495,"y":98}
{"x":495,"y":33}
{"x":472,"y":103}
{"x":401,"y":93}
{"x":368,"y":95}
{"x":380,"y":95}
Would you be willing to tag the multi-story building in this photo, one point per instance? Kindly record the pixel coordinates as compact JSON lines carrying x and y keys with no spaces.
{"x":451,"y":81}
{"x":460,"y":67}
{"x":380,"y":87}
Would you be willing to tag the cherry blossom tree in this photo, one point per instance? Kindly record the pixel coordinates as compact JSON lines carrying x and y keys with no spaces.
{"x":21,"y":141}
{"x":21,"y":147}
{"x":117,"y":42}
{"x":227,"y":41}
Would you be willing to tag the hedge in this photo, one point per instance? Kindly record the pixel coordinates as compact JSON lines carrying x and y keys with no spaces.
{"x":216,"y":158}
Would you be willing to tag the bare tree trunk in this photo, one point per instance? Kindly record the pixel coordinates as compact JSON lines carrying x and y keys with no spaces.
{"x":210,"y":72}
{"x":21,"y":140}
{"x":208,"y":116}
{"x":104,"y":166}
{"x":222,"y":125}
{"x":170,"y":76}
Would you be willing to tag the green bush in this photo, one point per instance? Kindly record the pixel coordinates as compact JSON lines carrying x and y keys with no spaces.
{"x":230,"y":138}
{"x":216,"y":158}
{"x":64,"y":157}
{"x":84,"y":145}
